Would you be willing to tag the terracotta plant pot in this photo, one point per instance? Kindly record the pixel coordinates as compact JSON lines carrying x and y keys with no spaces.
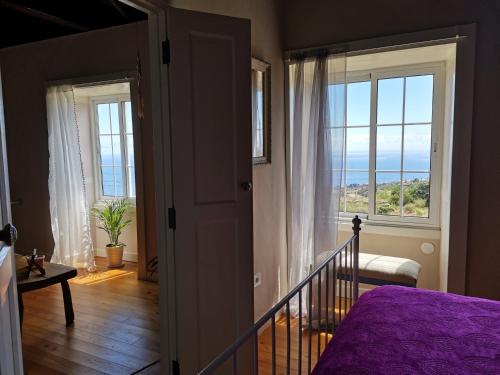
{"x":115,"y":256}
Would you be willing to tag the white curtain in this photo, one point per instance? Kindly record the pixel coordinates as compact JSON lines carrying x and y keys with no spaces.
{"x":317,"y":116}
{"x":68,"y":205}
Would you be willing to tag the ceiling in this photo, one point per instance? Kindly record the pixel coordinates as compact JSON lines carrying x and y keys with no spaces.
{"x":24,"y":21}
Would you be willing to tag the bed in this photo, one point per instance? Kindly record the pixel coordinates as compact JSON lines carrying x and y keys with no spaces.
{"x":389,"y":330}
{"x":399,"y":330}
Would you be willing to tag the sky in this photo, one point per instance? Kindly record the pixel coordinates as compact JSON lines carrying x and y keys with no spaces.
{"x":403,"y":117}
{"x":390,"y":132}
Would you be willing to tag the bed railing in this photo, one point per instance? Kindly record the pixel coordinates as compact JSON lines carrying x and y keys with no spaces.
{"x":339,"y":271}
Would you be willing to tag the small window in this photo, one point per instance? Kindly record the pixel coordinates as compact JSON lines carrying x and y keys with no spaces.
{"x":115,"y":145}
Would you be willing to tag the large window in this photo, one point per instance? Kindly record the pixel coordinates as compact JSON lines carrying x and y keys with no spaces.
{"x":391,"y":153}
{"x":115,"y":145}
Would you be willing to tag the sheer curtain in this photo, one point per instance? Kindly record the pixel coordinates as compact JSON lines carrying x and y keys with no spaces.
{"x":317,"y":115}
{"x":68,"y":205}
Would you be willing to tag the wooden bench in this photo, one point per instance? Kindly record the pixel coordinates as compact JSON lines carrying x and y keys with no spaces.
{"x":382,"y":270}
{"x":54,"y":274}
{"x":385,"y":270}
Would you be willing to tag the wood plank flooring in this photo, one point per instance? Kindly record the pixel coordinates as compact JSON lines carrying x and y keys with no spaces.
{"x":116,"y":328}
{"x":265,"y":345}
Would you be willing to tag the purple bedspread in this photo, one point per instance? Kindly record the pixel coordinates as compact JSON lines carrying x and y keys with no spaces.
{"x":398,"y":330}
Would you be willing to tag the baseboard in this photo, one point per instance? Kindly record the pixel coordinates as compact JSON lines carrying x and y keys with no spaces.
{"x":129,"y":257}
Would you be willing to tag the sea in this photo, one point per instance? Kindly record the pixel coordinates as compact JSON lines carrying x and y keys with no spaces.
{"x":388,"y":166}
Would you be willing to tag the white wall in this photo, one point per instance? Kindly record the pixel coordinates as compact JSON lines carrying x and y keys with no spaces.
{"x":83,"y":115}
{"x":404,"y":243}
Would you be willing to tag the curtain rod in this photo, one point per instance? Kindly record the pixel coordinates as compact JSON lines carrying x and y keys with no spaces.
{"x":362,"y":47}
{"x":98,"y":80}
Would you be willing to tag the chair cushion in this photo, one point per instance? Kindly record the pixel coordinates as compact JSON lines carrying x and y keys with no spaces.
{"x":384,"y":268}
{"x":392,"y":269}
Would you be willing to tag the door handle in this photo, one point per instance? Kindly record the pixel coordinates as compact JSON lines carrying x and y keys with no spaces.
{"x":8,"y":234}
{"x":247,"y":186}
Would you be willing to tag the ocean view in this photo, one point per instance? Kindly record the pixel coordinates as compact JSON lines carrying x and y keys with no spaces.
{"x":390,"y":164}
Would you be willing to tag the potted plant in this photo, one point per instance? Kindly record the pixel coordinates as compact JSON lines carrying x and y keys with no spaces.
{"x":111,"y":219}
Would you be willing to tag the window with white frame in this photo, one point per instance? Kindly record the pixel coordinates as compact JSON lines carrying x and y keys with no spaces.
{"x":115,"y":147}
{"x":391,"y":153}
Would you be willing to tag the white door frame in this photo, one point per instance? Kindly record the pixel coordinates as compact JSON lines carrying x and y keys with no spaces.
{"x":157,"y":35}
{"x":5,"y":217}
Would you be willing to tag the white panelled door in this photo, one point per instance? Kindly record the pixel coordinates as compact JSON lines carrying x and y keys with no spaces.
{"x":10,"y":335}
{"x":211,"y":130}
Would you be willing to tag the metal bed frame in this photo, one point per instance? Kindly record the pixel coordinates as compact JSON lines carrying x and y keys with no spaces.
{"x":345,"y":259}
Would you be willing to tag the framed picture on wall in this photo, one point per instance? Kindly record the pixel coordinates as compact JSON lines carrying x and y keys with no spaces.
{"x":261,"y":112}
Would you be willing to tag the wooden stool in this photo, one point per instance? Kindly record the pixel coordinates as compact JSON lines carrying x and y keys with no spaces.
{"x":54,"y":274}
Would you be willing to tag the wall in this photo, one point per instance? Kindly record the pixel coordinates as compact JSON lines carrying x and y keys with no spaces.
{"x":268,"y":180}
{"x":319,"y":22}
{"x":26,"y":70}
{"x":405,"y":244}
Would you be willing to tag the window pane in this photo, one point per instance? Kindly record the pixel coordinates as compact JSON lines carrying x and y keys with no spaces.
{"x":130,"y":150}
{"x":358,"y":103}
{"x":106,"y":150}
{"x":418,"y":101}
{"x":336,"y":99}
{"x":128,"y":118}
{"x":416,"y":194}
{"x":389,"y":148}
{"x":259,"y":104}
{"x":108,"y":181}
{"x":131,"y":182}
{"x":417,"y":148}
{"x":119,"y":181}
{"x":387,"y":194}
{"x":258,"y":147}
{"x":103,"y":118}
{"x":257,"y":113}
{"x":390,"y":101}
{"x":115,"y":118}
{"x":357,"y":192}
{"x":357,"y":148}
{"x":117,"y":156}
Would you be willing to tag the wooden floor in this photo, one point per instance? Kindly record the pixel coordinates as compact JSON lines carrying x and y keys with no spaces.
{"x":116,"y":328}
{"x":265,"y":345}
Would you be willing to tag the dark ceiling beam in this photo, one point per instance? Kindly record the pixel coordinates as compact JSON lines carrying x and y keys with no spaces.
{"x":43,"y":16}
{"x":116,"y":7}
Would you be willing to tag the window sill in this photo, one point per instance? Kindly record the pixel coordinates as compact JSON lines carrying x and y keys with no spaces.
{"x":396,"y":229}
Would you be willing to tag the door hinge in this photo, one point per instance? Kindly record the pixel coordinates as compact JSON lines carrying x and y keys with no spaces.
{"x":175,"y":368}
{"x":171,"y":218}
{"x":165,"y":50}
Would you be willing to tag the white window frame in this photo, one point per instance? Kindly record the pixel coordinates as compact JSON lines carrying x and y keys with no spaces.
{"x":94,"y":102}
{"x":438,"y":71}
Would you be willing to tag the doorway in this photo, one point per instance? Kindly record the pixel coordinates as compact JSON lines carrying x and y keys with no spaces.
{"x":116,"y":325}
